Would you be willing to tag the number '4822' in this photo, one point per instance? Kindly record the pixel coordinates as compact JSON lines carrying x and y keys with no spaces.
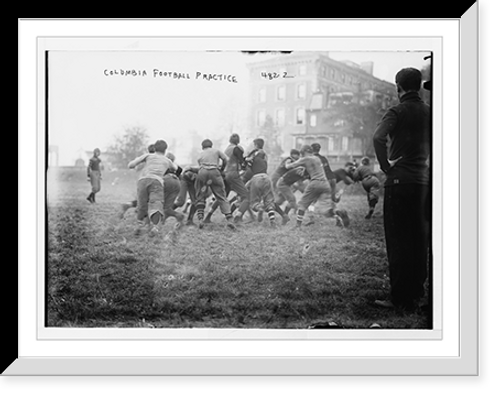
{"x":273,"y":75}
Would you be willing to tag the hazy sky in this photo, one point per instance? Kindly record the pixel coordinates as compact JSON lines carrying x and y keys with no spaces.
{"x":385,"y":64}
{"x":90,"y":101}
{"x":90,"y":104}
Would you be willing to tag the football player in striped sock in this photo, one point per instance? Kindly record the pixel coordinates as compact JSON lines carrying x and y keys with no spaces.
{"x":318,"y":184}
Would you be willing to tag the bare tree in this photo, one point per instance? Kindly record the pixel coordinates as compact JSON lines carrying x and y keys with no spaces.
{"x":358,"y":120}
{"x":270,"y":133}
{"x":132,"y":143}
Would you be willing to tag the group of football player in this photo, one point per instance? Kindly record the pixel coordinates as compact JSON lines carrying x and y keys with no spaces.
{"x":241,"y":186}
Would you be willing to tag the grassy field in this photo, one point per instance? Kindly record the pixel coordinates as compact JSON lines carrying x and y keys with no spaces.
{"x":99,"y":274}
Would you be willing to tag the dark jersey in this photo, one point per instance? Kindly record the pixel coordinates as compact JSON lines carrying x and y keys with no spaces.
{"x":326,"y":166}
{"x":294,"y":175}
{"x":281,"y":168}
{"x":95,"y":164}
{"x":236,"y":161}
{"x":362,"y":172}
{"x":341,"y":175}
{"x":257,"y":161}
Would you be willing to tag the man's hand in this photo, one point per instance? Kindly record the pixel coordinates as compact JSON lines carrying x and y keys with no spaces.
{"x":393,"y":162}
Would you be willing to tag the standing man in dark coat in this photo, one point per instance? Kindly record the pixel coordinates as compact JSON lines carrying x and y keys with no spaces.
{"x":407,"y":126}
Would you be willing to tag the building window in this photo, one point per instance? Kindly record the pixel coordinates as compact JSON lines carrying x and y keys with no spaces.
{"x":261,"y":118}
{"x":357,"y":145}
{"x":300,"y":115}
{"x":302,"y":70}
{"x":310,"y":140}
{"x":280,"y":117}
{"x":281,"y":93}
{"x":331,"y":144}
{"x":345,"y":143}
{"x":262,"y":94}
{"x":334,"y":144}
{"x":301,"y":91}
{"x":313,"y":120}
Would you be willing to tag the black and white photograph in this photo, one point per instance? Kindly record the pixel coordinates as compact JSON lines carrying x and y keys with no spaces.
{"x":239,"y":189}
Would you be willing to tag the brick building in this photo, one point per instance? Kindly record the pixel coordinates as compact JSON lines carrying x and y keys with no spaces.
{"x":301,"y":92}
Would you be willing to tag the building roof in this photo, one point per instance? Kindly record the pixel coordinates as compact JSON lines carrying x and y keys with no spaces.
{"x":301,"y":56}
{"x":291,"y":58}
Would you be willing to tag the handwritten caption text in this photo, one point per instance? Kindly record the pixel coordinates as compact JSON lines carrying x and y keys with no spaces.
{"x":157,"y":73}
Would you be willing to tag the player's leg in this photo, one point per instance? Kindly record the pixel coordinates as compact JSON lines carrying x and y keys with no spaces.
{"x":220,"y":195}
{"x":239,"y":188}
{"x":201,"y":189}
{"x":142,"y":205}
{"x":155,"y":205}
{"x":308,"y":198}
{"x":171,"y":189}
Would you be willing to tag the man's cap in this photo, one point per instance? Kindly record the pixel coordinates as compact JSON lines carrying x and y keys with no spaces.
{"x":234,"y":139}
{"x":206,"y":143}
{"x":161,"y":146}
{"x":259,"y":142}
{"x":316,"y":147}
